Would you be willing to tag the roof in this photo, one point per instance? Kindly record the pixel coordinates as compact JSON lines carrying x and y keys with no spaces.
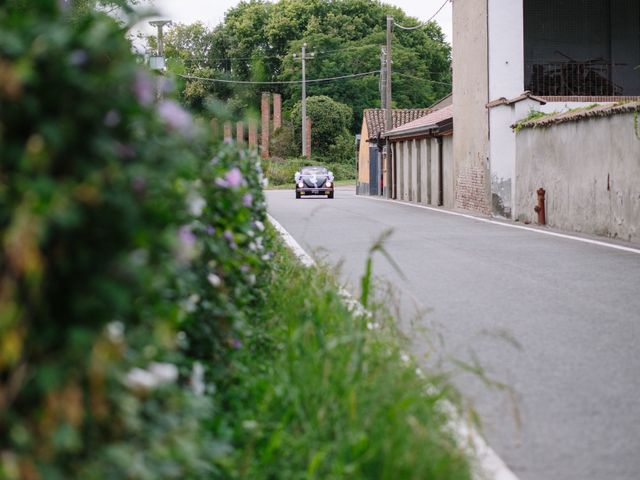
{"x":596,"y":111}
{"x":375,"y":118}
{"x":524,"y":96}
{"x":422,"y":125}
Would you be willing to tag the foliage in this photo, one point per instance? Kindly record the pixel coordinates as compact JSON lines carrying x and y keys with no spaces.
{"x":115,"y":252}
{"x":329,"y":119}
{"x":322,"y":391}
{"x":282,"y":171}
{"x":257,"y":41}
{"x":532,"y":115}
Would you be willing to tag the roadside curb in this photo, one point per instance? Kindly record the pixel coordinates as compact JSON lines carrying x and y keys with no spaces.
{"x":491,"y":466}
{"x":538,"y":230}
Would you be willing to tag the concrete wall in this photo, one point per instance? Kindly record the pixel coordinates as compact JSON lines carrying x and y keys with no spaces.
{"x":470,"y":96}
{"x":590,"y":170}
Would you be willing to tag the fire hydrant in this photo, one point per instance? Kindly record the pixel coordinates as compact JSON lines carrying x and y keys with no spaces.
{"x":539,"y":208}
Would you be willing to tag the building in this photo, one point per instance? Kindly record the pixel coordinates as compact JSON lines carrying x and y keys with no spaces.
{"x":422,"y":159}
{"x":511,"y":57}
{"x":371,"y":164}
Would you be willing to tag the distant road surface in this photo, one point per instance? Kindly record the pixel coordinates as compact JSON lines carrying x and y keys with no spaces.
{"x":555,"y":319}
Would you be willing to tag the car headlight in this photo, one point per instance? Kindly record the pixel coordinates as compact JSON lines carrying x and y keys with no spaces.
{"x":300,"y":185}
{"x":329,"y":184}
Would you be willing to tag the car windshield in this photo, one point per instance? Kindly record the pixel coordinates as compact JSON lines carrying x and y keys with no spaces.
{"x":314,"y":171}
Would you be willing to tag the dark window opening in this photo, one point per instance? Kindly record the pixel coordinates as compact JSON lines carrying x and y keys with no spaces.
{"x":582,"y":47}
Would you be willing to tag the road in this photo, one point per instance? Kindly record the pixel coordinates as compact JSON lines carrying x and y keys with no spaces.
{"x":555,"y":319}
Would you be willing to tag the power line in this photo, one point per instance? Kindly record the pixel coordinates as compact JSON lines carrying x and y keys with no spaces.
{"x":421,"y":79}
{"x":425,"y":23}
{"x":283,"y":82}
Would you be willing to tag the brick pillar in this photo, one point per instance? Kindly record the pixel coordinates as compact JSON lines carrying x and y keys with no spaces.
{"x":277,"y":111}
{"x":227,"y":132}
{"x":253,"y":133}
{"x":215,"y":128}
{"x":265,"y":124}
{"x":308,"y":152}
{"x":240,"y":133}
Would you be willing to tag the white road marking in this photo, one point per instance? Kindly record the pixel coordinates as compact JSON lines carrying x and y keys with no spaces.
{"x":490,"y":464}
{"x":291,"y":242}
{"x":507,"y":225}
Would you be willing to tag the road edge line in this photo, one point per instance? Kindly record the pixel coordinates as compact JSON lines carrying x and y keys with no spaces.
{"x":489,"y":461}
{"x":507,"y":225}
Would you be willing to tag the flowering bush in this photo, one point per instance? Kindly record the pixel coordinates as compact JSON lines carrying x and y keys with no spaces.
{"x":126,"y":249}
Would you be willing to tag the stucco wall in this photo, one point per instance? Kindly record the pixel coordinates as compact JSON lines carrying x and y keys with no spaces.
{"x":363,"y":155}
{"x":591,"y":172}
{"x":470,"y":95}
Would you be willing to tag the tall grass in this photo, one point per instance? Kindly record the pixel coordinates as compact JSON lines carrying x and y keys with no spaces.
{"x":321,"y":392}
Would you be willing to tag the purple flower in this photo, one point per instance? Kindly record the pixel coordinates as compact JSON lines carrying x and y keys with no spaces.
{"x":247,"y":200}
{"x":175,"y":117}
{"x":79,"y":57}
{"x":236,"y":344}
{"x":232,"y":179}
{"x":125,"y":151}
{"x":112,"y":118}
{"x":139,"y":184}
{"x":245,"y":269}
{"x":143,"y":89}
{"x":209,"y":230}
{"x":187,"y":238}
{"x":228,"y":235}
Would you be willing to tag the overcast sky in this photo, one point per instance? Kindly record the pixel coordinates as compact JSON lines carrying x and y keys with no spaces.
{"x":211,"y":12}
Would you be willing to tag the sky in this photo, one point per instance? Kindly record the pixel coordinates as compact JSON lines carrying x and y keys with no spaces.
{"x":211,"y":12}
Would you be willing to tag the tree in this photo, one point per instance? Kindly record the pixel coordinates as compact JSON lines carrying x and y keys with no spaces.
{"x":330,"y":124}
{"x":257,"y":40}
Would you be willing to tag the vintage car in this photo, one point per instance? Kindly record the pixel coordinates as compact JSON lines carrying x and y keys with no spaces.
{"x":314,"y":181}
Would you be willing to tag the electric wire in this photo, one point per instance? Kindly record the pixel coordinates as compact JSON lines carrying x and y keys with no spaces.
{"x":422,"y":24}
{"x":281,"y":82}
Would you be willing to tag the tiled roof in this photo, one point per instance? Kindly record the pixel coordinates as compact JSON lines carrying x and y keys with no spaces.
{"x":375,"y":118}
{"x":581,"y":114}
{"x":424,"y":123}
{"x":524,"y":96}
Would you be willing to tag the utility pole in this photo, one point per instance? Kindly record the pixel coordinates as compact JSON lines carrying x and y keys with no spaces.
{"x":388,"y":118}
{"x":383,"y":78}
{"x":157,"y":62}
{"x":303,"y":58}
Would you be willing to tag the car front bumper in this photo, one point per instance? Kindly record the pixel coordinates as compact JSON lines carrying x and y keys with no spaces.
{"x":314,"y":191}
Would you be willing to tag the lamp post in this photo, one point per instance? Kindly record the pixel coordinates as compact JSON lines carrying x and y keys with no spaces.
{"x":156,"y":62}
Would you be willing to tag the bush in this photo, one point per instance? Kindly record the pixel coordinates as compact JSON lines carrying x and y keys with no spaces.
{"x":126,"y":249}
{"x":281,"y":172}
{"x":331,"y":120}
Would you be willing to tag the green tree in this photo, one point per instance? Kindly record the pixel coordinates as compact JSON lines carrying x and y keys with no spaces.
{"x":330,"y":123}
{"x":258,"y":39}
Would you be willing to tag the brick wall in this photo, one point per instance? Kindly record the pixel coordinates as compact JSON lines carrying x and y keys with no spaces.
{"x":471,"y":188}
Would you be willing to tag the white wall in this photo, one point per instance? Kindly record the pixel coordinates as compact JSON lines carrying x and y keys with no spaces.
{"x":506,"y":49}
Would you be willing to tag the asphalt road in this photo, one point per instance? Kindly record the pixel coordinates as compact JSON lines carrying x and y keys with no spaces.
{"x":556,"y":320}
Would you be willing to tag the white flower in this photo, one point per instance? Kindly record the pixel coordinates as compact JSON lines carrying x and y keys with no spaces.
{"x":191,"y":303}
{"x":157,"y":375}
{"x":214,"y":280}
{"x":253,"y":247}
{"x":197,"y":379}
{"x":164,"y":372}
{"x":115,"y":331}
{"x":404,"y":357}
{"x":196,"y":204}
{"x":259,"y":225}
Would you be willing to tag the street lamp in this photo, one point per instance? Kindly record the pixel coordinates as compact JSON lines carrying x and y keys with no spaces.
{"x":156,"y":62}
